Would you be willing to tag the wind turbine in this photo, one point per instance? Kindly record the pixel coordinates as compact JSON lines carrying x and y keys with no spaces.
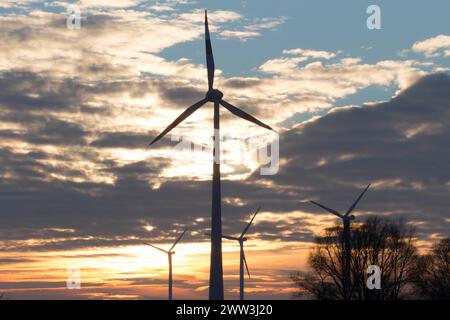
{"x":346,"y":219}
{"x":170,"y":252}
{"x":215,"y":96}
{"x":241,"y":239}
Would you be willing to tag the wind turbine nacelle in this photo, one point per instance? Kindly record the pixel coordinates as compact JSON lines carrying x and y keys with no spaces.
{"x":214,"y":95}
{"x":351,"y":217}
{"x":244,"y":239}
{"x":172,"y":252}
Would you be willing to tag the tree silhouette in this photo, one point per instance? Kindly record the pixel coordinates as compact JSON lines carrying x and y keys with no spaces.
{"x":430,"y":274}
{"x":376,"y":241}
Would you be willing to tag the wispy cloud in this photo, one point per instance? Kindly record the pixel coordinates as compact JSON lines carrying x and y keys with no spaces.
{"x":433,"y":47}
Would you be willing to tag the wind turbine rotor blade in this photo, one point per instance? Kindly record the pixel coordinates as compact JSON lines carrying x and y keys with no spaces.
{"x":209,"y":55}
{"x":327,"y":209}
{"x":246,"y":265}
{"x":180,"y":118}
{"x":244,"y":115}
{"x":357,"y":200}
{"x":179,"y":238}
{"x":250,"y":223}
{"x":230,"y":238}
{"x":149,"y":244}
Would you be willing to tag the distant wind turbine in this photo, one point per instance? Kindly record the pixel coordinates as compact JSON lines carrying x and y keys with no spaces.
{"x":169,"y":253}
{"x":215,"y":96}
{"x":346,"y":219}
{"x":241,"y":239}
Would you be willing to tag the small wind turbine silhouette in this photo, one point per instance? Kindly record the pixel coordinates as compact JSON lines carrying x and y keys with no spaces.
{"x":346,"y":219}
{"x":169,"y":253}
{"x":215,"y":96}
{"x":241,"y":239}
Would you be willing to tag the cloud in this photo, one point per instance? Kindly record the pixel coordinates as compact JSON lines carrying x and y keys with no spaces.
{"x":317,"y":76}
{"x":399,"y":146}
{"x":15,"y":3}
{"x":433,"y":47}
{"x":105,"y":53}
{"x":253,"y":30}
{"x":109,"y":4}
{"x":49,"y":131}
{"x":106,"y":44}
{"x":299,"y":82}
{"x":266,"y":23}
{"x":161,"y":8}
{"x":311,"y":53}
{"x":122,"y":140}
{"x":241,"y":35}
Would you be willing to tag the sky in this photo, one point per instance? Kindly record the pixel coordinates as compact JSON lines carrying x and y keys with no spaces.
{"x":80,"y":188}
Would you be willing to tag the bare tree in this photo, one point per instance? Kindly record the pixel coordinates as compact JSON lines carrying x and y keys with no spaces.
{"x":376,"y":241}
{"x":431,"y":272}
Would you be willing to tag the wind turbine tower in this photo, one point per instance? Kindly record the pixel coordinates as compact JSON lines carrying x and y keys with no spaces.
{"x":242,"y":260}
{"x":347,"y":218}
{"x":216,"y":97}
{"x":169,"y":253}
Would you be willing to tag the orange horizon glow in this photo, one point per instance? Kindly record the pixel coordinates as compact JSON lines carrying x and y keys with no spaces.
{"x":108,"y":273}
{"x":141,"y":272}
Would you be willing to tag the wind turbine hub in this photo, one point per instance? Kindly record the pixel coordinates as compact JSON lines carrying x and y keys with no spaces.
{"x":214,"y":95}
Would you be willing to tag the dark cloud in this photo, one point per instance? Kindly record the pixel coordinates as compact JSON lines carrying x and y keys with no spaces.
{"x":180,"y":95}
{"x":4,"y":261}
{"x":48,"y":130}
{"x":22,"y":90}
{"x":401,"y":146}
{"x":242,"y":83}
{"x":39,"y":284}
{"x":129,"y":140}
